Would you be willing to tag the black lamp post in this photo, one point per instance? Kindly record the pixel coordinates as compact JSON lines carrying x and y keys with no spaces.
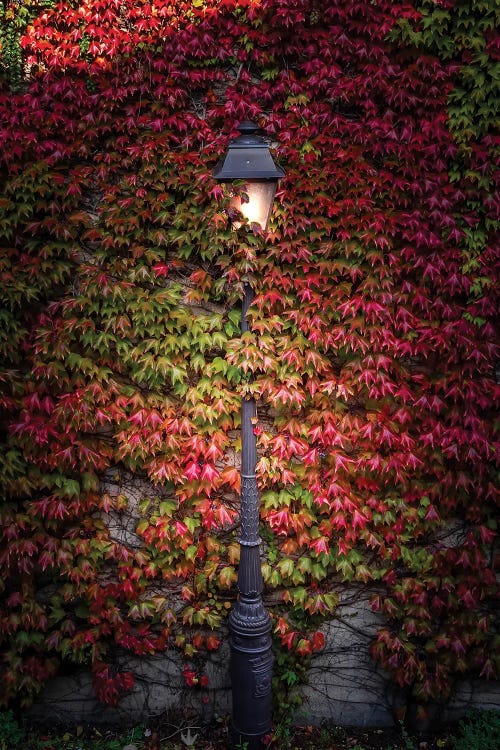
{"x":248,"y":158}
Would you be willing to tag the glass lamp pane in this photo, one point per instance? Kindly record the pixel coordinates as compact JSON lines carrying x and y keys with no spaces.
{"x":257,"y":209}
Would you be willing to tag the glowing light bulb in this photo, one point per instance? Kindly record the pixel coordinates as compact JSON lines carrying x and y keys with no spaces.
{"x":255,"y":201}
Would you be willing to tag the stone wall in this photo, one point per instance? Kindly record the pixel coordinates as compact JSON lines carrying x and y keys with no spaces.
{"x":344,"y":685}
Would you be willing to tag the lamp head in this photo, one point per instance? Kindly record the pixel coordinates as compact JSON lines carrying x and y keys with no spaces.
{"x":249,"y":159}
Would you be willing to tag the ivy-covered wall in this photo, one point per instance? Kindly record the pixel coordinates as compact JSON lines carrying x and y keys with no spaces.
{"x":372,"y":348}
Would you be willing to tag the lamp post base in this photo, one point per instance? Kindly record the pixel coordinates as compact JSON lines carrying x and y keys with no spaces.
{"x":251,"y":672}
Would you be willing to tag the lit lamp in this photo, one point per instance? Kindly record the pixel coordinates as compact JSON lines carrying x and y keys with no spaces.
{"x":248,"y":159}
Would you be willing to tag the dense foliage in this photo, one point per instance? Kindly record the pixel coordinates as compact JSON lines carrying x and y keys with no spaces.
{"x":372,"y":346}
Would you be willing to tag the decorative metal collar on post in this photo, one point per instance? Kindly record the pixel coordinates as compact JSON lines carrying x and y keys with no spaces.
{"x":248,"y":158}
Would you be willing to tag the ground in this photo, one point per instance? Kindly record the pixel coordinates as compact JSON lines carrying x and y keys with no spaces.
{"x":165,"y":735}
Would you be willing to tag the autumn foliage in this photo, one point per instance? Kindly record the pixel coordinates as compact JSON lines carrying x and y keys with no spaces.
{"x":371,"y":353}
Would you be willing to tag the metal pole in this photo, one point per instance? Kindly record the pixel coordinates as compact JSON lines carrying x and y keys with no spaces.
{"x":249,"y":623}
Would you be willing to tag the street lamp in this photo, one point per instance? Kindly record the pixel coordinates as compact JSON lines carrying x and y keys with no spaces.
{"x":248,"y":159}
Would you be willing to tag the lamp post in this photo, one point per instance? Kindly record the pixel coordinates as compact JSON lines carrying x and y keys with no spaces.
{"x":248,"y":158}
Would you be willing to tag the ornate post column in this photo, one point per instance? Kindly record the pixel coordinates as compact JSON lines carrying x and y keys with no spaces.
{"x":249,"y":624}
